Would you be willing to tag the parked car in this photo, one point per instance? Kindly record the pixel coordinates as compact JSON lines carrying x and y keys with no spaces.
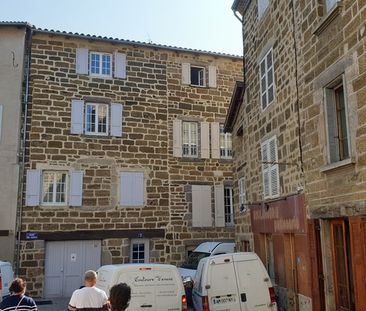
{"x":6,"y":276}
{"x":154,"y":287}
{"x":236,"y":282}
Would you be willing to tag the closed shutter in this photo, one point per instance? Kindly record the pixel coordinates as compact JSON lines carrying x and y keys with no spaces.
{"x":205,"y":140}
{"x":274,"y":173}
{"x":132,"y":189}
{"x":33,"y":190}
{"x":177,"y":138}
{"x":120,"y":63}
{"x":1,"y":119}
{"x":219,"y":206}
{"x":76,"y":188}
{"x":212,"y":76}
{"x":265,"y":170}
{"x":82,"y":56}
{"x":331,"y":125}
{"x":77,"y":117}
{"x":116,"y":119}
{"x":215,"y":140}
{"x":201,"y":206}
{"x":186,"y":73}
{"x":262,"y":6}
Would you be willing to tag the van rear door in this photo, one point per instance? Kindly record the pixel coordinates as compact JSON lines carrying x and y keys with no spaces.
{"x":252,"y":280}
{"x":222,"y":289}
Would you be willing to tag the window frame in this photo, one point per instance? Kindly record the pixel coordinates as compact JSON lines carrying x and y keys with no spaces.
{"x":190,"y":143}
{"x":265,"y":76}
{"x":97,"y":105}
{"x":267,"y":167}
{"x":200,"y":79}
{"x":146,"y":244}
{"x":54,"y":188}
{"x":100,"y":64}
{"x":229,"y":216}
{"x":226,"y":150}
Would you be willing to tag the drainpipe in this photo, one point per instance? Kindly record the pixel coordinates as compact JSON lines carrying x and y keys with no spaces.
{"x":242,"y":25}
{"x":22,"y":147}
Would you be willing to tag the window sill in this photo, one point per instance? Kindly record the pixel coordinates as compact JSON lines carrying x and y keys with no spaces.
{"x":336,"y":165}
{"x":200,"y":86}
{"x":93,"y":75}
{"x":326,"y":20}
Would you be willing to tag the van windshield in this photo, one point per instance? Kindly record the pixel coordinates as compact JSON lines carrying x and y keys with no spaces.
{"x":193,"y":260}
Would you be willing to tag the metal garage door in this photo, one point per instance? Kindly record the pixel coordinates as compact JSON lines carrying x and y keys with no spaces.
{"x":66,"y":262}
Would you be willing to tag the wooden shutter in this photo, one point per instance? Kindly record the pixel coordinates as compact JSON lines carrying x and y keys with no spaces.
{"x":331,"y":125}
{"x":33,"y":188}
{"x":1,"y":119}
{"x":120,"y":63}
{"x":273,"y":168}
{"x":186,"y":73}
{"x":219,"y":206}
{"x":177,"y":138}
{"x":132,"y":189}
{"x":212,"y":76}
{"x":82,"y":57}
{"x":76,"y":188}
{"x":201,"y":206}
{"x":205,"y":140}
{"x":116,"y":119}
{"x":77,"y":117}
{"x":215,"y":140}
{"x":265,"y":170}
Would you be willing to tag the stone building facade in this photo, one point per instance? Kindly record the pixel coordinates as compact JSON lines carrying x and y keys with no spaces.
{"x":318,"y":50}
{"x":125,"y":160}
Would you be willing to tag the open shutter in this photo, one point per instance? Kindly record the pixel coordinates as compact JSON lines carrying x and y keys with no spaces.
{"x":120,"y":63}
{"x":274,"y":173}
{"x":1,"y":119}
{"x":265,"y":170}
{"x":186,"y":73}
{"x":132,"y":189}
{"x":77,"y":116}
{"x":76,"y":188}
{"x":205,"y":140}
{"x":331,"y":125}
{"x":33,"y":191}
{"x":212,"y":76}
{"x":116,"y":119}
{"x":82,"y":56}
{"x":177,"y":138}
{"x":215,"y":140}
{"x":219,"y":206}
{"x":201,"y":206}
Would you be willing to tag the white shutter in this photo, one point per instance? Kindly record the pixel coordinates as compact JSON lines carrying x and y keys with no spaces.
{"x":177,"y":138}
{"x":132,"y":189}
{"x":82,"y":57}
{"x":212,"y":76}
{"x":120,"y":63}
{"x":33,"y":190}
{"x":219,"y":206}
{"x":76,"y":188}
{"x":215,"y":140}
{"x":205,"y":140}
{"x":201,"y":206}
{"x":186,"y":73}
{"x":265,"y":170}
{"x":1,"y":119}
{"x":116,"y":119}
{"x":77,"y":116}
{"x":262,"y":6}
{"x":274,"y":172}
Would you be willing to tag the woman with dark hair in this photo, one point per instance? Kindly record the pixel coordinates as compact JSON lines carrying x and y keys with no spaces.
{"x":18,"y":301}
{"x":119,"y":297}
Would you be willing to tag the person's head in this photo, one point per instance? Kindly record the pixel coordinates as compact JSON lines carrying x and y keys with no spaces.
{"x":90,"y":278}
{"x":119,"y":297}
{"x":18,"y":286}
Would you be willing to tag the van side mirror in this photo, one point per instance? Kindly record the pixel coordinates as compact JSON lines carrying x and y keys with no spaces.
{"x":188,"y":282}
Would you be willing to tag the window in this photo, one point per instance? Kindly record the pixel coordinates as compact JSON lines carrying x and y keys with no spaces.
{"x":270,"y":170}
{"x":54,"y":188}
{"x":132,"y":189}
{"x":139,"y":251}
{"x":96,"y":119}
{"x":337,"y":125}
{"x":190,"y":138}
{"x":228,"y":205}
{"x":100,"y":64}
{"x":329,"y":4}
{"x":267,"y":79}
{"x":198,"y":76}
{"x":262,"y":6}
{"x":225,"y":143}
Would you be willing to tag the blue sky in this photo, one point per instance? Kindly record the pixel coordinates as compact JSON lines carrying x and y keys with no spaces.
{"x":200,"y":24}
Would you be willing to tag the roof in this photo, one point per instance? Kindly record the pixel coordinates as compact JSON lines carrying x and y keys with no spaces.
{"x":235,"y":103}
{"x":115,"y":40}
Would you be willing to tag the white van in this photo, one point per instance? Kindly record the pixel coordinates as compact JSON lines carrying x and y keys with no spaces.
{"x":154,"y":287}
{"x":236,"y":282}
{"x":6,"y":277}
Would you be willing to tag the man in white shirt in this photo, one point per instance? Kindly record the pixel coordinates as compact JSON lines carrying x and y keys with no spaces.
{"x":89,"y":298}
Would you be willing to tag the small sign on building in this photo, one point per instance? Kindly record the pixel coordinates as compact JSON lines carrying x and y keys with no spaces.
{"x":31,"y":235}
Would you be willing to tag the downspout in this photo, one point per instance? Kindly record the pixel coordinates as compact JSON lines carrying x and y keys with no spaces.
{"x":242,"y":24}
{"x":22,"y":147}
